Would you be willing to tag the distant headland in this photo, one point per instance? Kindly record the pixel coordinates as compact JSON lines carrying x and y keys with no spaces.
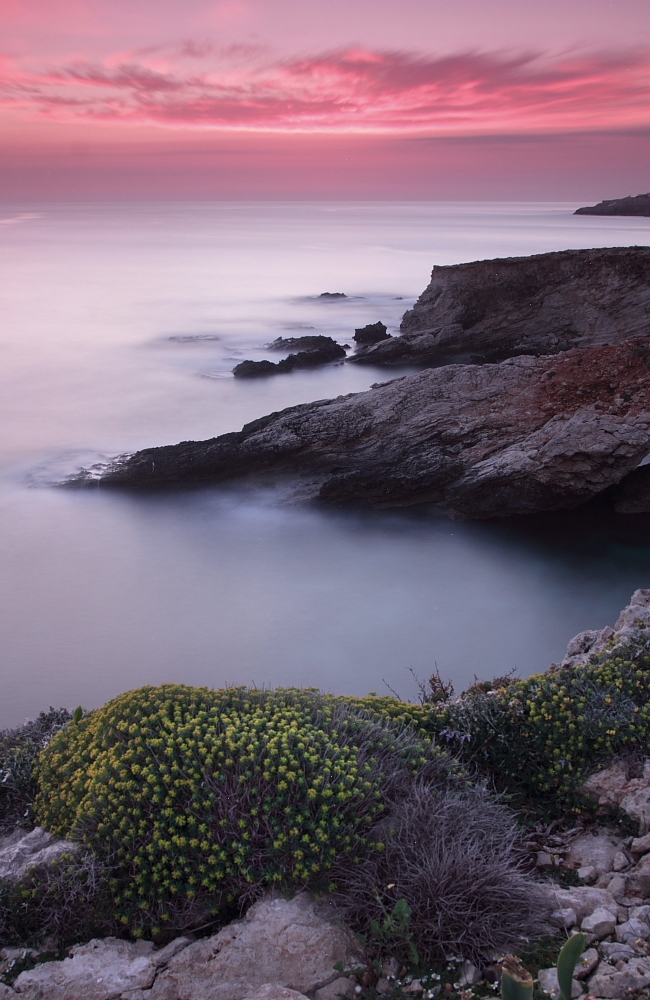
{"x":637,"y":205}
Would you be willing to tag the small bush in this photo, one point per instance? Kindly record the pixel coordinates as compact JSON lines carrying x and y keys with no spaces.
{"x":67,"y":899}
{"x":456,"y":860}
{"x":19,"y":750}
{"x":198,"y":797}
{"x":537,"y":739}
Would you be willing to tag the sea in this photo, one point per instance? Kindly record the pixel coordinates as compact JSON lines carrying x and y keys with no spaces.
{"x":119,"y":328}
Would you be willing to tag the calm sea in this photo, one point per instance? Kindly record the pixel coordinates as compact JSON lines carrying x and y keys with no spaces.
{"x":120,"y":327}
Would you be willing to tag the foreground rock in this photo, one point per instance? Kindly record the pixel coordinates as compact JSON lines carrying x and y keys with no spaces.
{"x":309,"y":342}
{"x":280,"y":946}
{"x":527,"y":435}
{"x":637,"y":205}
{"x":489,"y":310}
{"x":631,"y":624}
{"x":303,"y":359}
{"x":373,"y":333}
{"x":21,"y":851}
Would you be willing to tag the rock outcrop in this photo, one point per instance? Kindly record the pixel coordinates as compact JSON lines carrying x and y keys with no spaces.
{"x":308,"y":342}
{"x":372,"y":333}
{"x":526,"y":435}
{"x":494,"y":309}
{"x":281,"y":950}
{"x":22,"y":850}
{"x":632,"y":205}
{"x":632,"y":623}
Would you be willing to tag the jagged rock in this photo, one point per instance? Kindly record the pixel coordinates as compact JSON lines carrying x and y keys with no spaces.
{"x":488,"y":310}
{"x":523,"y":436}
{"x":295,"y":943}
{"x":373,"y":333}
{"x":637,"y":881}
{"x":34,"y":848}
{"x":641,"y":845}
{"x":332,"y":295}
{"x":6,"y":992}
{"x":587,"y":874}
{"x":615,"y":952}
{"x":586,"y":964}
{"x":632,"y":620}
{"x":547,"y":979}
{"x":632,"y":205}
{"x":100,"y":970}
{"x":564,"y":917}
{"x":599,"y":924}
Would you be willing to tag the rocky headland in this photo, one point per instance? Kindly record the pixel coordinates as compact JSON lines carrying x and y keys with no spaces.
{"x":632,"y":205}
{"x":563,"y":418}
{"x":489,"y":310}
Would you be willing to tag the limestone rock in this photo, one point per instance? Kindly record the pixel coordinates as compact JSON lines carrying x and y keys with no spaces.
{"x":614,"y":951}
{"x":564,"y":917}
{"x":34,"y":848}
{"x":6,"y":992}
{"x":474,"y":441}
{"x":612,"y":786}
{"x":613,"y":984}
{"x":583,"y":900}
{"x":547,"y":979}
{"x":100,"y":970}
{"x":587,"y":962}
{"x":274,"y":991}
{"x":599,"y":924}
{"x":295,"y":943}
{"x":641,"y":845}
{"x":342,"y":987}
{"x":598,"y":849}
{"x":493,"y":309}
{"x":632,"y":930}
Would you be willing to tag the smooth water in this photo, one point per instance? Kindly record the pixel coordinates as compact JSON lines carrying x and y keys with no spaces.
{"x":120,"y":327}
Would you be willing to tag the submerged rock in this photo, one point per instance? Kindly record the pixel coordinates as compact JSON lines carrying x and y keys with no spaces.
{"x":632,"y":205}
{"x":307,"y":343}
{"x":526,"y":435}
{"x":303,"y":359}
{"x":372,"y":333}
{"x":489,"y":310}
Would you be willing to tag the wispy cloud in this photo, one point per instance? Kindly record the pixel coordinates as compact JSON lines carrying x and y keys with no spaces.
{"x":352,"y":90}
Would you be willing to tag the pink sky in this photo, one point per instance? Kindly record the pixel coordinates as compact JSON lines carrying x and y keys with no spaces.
{"x":324,"y":98}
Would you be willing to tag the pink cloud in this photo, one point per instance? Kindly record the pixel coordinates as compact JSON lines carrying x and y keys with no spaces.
{"x":352,"y":90}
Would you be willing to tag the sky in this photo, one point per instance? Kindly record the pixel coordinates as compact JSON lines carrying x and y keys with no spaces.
{"x":452,"y":99}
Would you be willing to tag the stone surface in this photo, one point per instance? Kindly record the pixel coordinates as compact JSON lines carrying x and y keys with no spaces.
{"x":342,"y":987}
{"x":547,"y":980}
{"x":100,"y":970}
{"x":599,"y":924}
{"x":614,"y":951}
{"x":597,"y":850}
{"x":469,"y":974}
{"x":641,"y":845}
{"x":612,"y":984}
{"x":274,"y":991}
{"x":488,"y":310}
{"x":587,"y":874}
{"x":295,"y":943}
{"x":306,"y":343}
{"x":34,"y":848}
{"x":373,"y":333}
{"x":303,"y":359}
{"x":612,"y":787}
{"x":582,"y":899}
{"x":564,"y":917}
{"x":523,"y":436}
{"x":632,"y":930}
{"x":632,"y":205}
{"x":586,"y":964}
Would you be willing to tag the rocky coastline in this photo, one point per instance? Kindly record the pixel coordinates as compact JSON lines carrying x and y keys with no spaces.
{"x":537,"y":401}
{"x":632,"y":205}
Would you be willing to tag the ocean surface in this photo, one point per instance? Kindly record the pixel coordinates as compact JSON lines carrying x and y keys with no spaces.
{"x":120,"y":325}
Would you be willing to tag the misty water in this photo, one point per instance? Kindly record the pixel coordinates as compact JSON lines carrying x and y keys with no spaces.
{"x":120,"y":328}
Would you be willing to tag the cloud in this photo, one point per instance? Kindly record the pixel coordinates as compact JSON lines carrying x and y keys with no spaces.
{"x":352,"y":90}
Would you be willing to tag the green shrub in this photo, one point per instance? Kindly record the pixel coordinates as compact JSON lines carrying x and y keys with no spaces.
{"x":198,"y":796}
{"x":19,"y":750}
{"x":538,"y":739}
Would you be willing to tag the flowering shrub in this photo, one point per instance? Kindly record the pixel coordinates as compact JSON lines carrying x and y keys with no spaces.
{"x":195,"y":794}
{"x":539,"y":738}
